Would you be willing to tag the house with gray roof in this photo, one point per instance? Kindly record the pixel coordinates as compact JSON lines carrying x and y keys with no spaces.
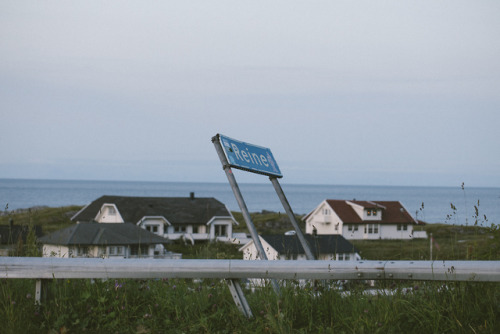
{"x":288,"y":247}
{"x":190,"y":218}
{"x":104,"y":240}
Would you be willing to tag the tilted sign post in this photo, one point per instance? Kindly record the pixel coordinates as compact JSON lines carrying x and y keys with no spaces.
{"x":260,"y":160}
{"x":255,"y":159}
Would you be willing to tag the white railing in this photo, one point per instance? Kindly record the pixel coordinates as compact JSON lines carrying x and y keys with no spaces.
{"x":49,"y":268}
{"x":44,"y":269}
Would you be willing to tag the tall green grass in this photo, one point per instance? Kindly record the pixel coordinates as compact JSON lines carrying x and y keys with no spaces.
{"x":181,"y":306}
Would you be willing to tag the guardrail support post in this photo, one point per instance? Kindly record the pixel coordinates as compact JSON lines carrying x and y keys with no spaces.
{"x":239,"y":297}
{"x":40,"y":291}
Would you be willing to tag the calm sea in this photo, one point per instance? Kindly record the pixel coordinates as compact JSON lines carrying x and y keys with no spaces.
{"x":436,"y":201}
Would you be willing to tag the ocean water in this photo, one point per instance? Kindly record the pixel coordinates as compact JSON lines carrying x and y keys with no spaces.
{"x":20,"y":194}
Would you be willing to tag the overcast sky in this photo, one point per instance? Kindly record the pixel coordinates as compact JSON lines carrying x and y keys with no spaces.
{"x":343,"y":92}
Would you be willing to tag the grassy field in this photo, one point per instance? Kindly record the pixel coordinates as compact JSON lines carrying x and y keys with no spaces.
{"x":451,"y":242}
{"x":51,"y":219}
{"x":184,"y":306}
{"x":188,"y":306}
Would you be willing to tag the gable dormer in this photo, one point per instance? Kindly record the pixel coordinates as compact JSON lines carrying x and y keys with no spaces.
{"x":367,"y":210}
{"x":109,"y":214}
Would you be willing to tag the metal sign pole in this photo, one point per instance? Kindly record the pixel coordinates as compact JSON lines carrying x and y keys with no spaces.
{"x":288,"y":209}
{"x":234,"y":285}
{"x":239,"y":199}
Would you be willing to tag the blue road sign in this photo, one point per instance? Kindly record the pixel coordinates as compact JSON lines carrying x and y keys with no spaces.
{"x":249,"y":157}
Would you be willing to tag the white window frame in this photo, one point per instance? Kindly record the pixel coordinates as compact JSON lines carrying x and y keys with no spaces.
{"x":372,"y":228}
{"x":218,"y":228}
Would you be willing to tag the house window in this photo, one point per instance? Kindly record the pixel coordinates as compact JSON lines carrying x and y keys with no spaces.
{"x":111,"y":211}
{"x":352,"y":227}
{"x":371,"y":212}
{"x":82,"y":251}
{"x":326,"y":212}
{"x":152,"y":228}
{"x":138,"y":250}
{"x":179,"y":229}
{"x":402,"y":227}
{"x":195,"y":229}
{"x":115,"y":250}
{"x":220,"y":230}
{"x":371,"y":228}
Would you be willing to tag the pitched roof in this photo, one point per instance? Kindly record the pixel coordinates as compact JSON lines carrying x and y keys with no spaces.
{"x":367,"y":204}
{"x":177,"y":210}
{"x":393,"y":212}
{"x":102,"y":234}
{"x":320,"y":244}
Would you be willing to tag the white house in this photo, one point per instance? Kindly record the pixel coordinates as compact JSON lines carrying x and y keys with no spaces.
{"x":173,"y":218}
{"x":104,"y":240}
{"x":288,"y":247}
{"x":362,"y":220}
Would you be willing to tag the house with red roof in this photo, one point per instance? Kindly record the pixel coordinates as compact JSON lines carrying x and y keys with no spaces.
{"x":360,"y":220}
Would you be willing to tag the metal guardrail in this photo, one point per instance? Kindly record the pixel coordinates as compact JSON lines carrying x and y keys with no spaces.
{"x":44,"y":269}
{"x":63,"y":268}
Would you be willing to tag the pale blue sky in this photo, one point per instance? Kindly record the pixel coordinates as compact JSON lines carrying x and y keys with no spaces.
{"x":343,"y":92}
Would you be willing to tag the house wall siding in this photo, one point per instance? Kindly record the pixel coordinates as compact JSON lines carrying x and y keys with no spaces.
{"x":109,"y":214}
{"x":55,"y":251}
{"x":385,"y":231}
{"x":250,"y":251}
{"x":324,"y":223}
{"x":353,"y":234}
{"x":391,"y":232}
